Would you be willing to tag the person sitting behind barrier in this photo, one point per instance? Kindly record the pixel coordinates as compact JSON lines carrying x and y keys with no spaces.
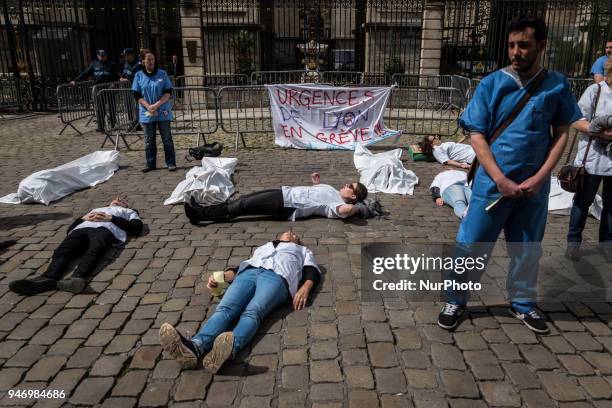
{"x":286,"y":203}
{"x":278,"y":271}
{"x":450,"y":187}
{"x":91,"y":234}
{"x":454,"y":154}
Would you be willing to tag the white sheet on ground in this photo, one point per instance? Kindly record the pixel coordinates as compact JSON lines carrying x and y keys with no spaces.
{"x":209,"y":184}
{"x":560,"y":201}
{"x":52,"y":184}
{"x":384,"y":172}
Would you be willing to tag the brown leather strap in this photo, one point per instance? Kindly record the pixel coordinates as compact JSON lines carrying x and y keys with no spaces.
{"x":515,"y":112}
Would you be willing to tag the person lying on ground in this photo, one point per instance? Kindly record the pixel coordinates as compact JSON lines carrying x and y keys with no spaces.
{"x":279,"y":271}
{"x":90,"y":235}
{"x":286,"y":203}
{"x":450,"y":187}
{"x":454,"y":154}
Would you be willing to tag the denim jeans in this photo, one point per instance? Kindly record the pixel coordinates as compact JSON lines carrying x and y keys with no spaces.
{"x":458,"y":197}
{"x":580,"y":210}
{"x":523,"y":221}
{"x":151,"y":144}
{"x":253,"y":294}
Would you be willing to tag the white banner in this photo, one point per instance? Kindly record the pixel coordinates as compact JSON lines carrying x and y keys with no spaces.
{"x":314,"y":116}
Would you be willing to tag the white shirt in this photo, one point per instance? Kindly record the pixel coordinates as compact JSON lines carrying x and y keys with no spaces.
{"x":321,"y":199}
{"x":599,"y":160}
{"x":286,"y":260}
{"x":458,"y":152}
{"x":117,"y":211}
{"x":448,"y":178}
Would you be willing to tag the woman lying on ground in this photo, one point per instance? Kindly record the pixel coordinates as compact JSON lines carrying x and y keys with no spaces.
{"x":450,"y":187}
{"x":454,"y":154}
{"x":278,"y":271}
{"x":286,"y":203}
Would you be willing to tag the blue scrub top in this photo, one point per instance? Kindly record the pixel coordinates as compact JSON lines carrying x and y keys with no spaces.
{"x":599,"y":66}
{"x":520,"y":151}
{"x":152,"y":88}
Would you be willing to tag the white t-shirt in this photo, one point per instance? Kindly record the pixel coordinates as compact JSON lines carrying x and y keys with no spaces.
{"x":117,"y":211}
{"x":448,"y":178}
{"x":321,"y":199}
{"x":287,"y":260}
{"x":458,"y":152}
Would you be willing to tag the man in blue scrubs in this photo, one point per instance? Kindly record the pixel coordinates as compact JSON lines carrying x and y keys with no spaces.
{"x":597,"y":70}
{"x":515,"y":169}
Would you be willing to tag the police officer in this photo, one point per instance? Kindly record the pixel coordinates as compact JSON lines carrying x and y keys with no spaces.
{"x":130,"y":66}
{"x":102,"y":70}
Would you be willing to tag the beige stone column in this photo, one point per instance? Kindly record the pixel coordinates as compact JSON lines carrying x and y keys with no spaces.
{"x":191,"y":30}
{"x":431,"y":37}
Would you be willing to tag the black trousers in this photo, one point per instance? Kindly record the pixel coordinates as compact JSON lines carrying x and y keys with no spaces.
{"x":266,"y":202}
{"x":91,"y":242}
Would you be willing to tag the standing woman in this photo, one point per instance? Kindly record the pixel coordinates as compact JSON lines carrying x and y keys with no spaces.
{"x":596,"y":102}
{"x":153,"y":90}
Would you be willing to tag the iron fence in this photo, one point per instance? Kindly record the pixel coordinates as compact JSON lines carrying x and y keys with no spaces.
{"x":11,"y":94}
{"x":74,"y":103}
{"x":212,"y":81}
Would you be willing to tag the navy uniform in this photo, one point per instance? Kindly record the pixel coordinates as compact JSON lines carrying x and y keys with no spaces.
{"x":101,"y":71}
{"x":130,"y":68}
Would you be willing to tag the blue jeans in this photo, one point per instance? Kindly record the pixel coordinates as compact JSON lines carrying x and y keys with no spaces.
{"x":253,"y":294}
{"x":580,"y":210}
{"x":151,"y":144}
{"x":457,"y":196}
{"x":523,"y":221}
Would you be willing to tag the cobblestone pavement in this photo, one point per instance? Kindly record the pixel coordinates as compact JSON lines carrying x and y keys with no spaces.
{"x":102,"y":349}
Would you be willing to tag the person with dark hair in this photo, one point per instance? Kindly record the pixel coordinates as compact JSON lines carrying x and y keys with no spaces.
{"x":450,"y":187}
{"x":90,"y":235}
{"x":131,"y":65}
{"x":153,"y":90}
{"x":286,"y":203}
{"x":453,"y":154}
{"x":277,"y":272}
{"x":598,"y":70}
{"x":509,"y":119}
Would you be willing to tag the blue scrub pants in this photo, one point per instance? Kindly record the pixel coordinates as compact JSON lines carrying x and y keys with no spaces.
{"x":523,"y":221}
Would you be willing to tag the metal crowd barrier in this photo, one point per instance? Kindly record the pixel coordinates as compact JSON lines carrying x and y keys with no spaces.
{"x":195,"y":112}
{"x":101,"y":87}
{"x":342,"y":78}
{"x":424,"y":110}
{"x":284,"y":77}
{"x":244,"y":109}
{"x":74,"y":103}
{"x":11,"y":96}
{"x":212,"y":81}
{"x":117,"y":114}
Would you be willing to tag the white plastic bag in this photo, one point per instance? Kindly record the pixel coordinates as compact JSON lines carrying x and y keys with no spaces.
{"x":384,"y":172}
{"x":209,"y":184}
{"x":49,"y":185}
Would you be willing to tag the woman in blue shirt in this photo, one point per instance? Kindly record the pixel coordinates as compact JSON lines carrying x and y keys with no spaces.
{"x":153,"y":91}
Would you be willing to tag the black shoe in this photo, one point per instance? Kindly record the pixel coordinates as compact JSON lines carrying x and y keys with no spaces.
{"x":6,"y":244}
{"x":191,"y":212}
{"x":572,"y":252}
{"x":148,"y":169}
{"x":449,"y":316}
{"x":74,"y":285}
{"x":178,"y":347}
{"x":28,"y":287}
{"x":531,"y":319}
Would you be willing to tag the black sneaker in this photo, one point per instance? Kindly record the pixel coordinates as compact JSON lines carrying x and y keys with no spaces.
{"x":449,"y":316}
{"x":532,"y":319}
{"x":28,"y":287}
{"x":73,"y":285}
{"x":148,"y":169}
{"x":572,"y":253}
{"x":178,"y":346}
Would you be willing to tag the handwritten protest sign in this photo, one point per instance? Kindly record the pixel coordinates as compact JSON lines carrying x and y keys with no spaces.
{"x":314,"y":116}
